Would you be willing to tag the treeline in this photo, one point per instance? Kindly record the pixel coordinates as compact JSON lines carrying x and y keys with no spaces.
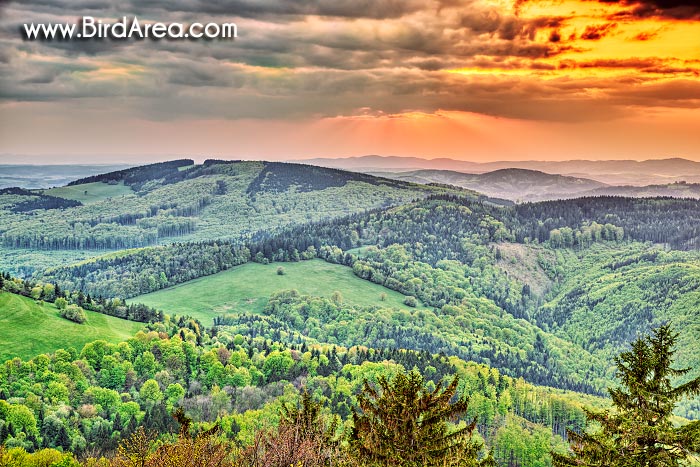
{"x":135,"y":177}
{"x":674,"y":222}
{"x":279,"y":177}
{"x":150,"y":269}
{"x":34,"y":200}
{"x":72,"y":303}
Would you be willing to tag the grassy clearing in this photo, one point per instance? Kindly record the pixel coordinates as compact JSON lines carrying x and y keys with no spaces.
{"x":247,"y":288}
{"x":28,"y":329}
{"x":88,"y":193}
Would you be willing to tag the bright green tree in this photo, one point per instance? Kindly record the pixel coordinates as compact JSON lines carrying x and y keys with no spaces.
{"x":639,"y":432}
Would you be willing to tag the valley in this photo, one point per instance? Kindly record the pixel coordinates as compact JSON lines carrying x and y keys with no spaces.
{"x":252,"y":280}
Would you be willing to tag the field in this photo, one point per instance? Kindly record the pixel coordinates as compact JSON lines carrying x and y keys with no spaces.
{"x":28,"y":329}
{"x":246,"y":289}
{"x":90,"y":192}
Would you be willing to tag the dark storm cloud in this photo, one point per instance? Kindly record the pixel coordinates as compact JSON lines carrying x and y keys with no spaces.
{"x":674,"y":9}
{"x":596,"y":32}
{"x":669,"y":9}
{"x":322,"y":58}
{"x":377,"y":9}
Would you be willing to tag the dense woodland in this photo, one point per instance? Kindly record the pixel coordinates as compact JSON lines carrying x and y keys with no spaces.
{"x":527,"y":304}
{"x":421,"y":250}
{"x":87,"y":401}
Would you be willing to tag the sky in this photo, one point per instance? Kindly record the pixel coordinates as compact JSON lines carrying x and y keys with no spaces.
{"x":478,"y":80}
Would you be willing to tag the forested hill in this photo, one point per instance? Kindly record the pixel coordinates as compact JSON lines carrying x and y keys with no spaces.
{"x":167,"y":172}
{"x":179,"y":201}
{"x":319,"y":278}
{"x":471,"y":261}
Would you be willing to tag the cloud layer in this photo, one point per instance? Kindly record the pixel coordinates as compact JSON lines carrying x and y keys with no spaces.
{"x":294,"y":59}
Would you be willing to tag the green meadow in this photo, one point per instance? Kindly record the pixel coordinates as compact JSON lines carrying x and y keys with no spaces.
{"x":28,"y":329}
{"x":247,"y":288}
{"x":88,"y":193}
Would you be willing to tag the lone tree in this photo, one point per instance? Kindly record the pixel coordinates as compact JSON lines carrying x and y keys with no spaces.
{"x":404,"y":424}
{"x":639,"y":432}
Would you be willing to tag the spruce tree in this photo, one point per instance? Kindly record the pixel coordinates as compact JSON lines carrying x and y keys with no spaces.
{"x":639,"y":431}
{"x":402,"y":423}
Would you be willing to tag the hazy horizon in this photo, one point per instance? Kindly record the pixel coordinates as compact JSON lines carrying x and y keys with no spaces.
{"x":143,"y":159}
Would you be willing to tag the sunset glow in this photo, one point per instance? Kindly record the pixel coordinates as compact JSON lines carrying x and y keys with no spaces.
{"x":565,"y":79}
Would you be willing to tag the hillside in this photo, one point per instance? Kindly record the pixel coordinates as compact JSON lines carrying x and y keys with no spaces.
{"x":28,"y":329}
{"x":177,"y":201}
{"x":88,"y":193}
{"x":673,"y":190}
{"x":446,"y":251}
{"x":265,"y":278}
{"x":512,"y":184}
{"x":247,"y":288}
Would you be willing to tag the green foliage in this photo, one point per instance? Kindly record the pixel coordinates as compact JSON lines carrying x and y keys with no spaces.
{"x":74,"y":313}
{"x":403,"y":423}
{"x":242,"y":382}
{"x":640,"y":432}
{"x":167,"y":203}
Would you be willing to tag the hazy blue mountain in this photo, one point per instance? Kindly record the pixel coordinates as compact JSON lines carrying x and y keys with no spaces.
{"x":47,"y":176}
{"x":513,"y":184}
{"x":611,"y":172}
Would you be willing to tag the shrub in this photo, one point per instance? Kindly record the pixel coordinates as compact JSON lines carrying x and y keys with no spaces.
{"x":74,"y":313}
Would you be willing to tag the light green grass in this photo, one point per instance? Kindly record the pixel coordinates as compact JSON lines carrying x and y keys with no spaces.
{"x":28,"y":329}
{"x":88,"y":193}
{"x":247,"y":288}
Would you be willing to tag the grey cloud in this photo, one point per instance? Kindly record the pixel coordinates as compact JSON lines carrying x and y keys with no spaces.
{"x":393,"y":65}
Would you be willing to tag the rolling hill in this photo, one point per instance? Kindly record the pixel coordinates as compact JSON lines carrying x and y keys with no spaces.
{"x":522,"y":185}
{"x":673,"y":190}
{"x":512,"y":184}
{"x":274,"y":277}
{"x":28,"y":329}
{"x":178,"y":201}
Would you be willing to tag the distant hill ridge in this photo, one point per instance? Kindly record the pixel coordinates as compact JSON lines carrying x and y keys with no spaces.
{"x":611,"y":172}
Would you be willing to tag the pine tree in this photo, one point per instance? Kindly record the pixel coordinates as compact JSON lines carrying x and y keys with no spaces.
{"x":639,"y":432}
{"x":404,"y":424}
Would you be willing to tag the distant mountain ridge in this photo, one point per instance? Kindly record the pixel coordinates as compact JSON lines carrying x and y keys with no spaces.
{"x":522,"y":185}
{"x":512,"y":184}
{"x":610,"y":172}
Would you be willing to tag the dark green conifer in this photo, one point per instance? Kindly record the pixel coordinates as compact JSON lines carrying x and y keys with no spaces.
{"x":402,"y":423}
{"x":639,"y":432}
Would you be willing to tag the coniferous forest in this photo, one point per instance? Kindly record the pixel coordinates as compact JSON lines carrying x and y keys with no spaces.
{"x":270,"y":314}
